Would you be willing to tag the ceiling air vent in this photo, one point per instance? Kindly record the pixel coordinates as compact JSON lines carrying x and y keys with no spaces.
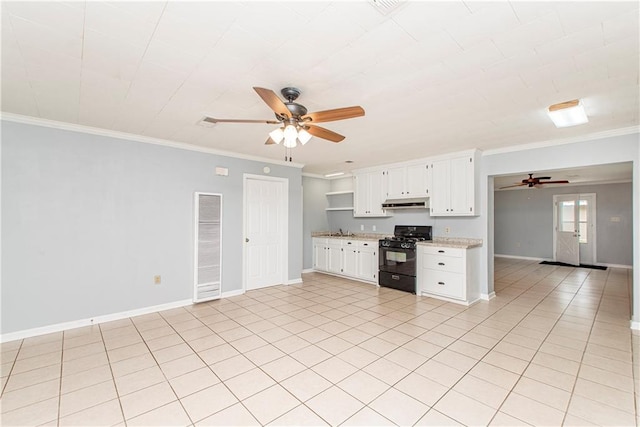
{"x":385,"y":7}
{"x":207,"y":122}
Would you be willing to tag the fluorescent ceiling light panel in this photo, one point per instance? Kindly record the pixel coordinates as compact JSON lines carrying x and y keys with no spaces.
{"x":331,"y":175}
{"x":570,"y":113}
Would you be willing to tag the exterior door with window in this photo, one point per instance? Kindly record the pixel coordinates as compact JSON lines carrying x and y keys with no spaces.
{"x":567,"y":245}
{"x":574,"y":228}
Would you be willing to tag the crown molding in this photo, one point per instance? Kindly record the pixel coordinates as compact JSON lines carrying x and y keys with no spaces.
{"x":553,"y":142}
{"x":36,"y":121}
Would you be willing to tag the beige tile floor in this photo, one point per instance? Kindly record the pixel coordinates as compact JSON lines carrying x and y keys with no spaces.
{"x":554,"y":347}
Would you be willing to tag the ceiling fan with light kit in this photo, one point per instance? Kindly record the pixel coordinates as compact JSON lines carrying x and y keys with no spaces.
{"x":533,"y":182}
{"x":296,"y":124}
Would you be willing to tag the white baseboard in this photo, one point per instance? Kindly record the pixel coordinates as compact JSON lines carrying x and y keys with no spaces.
{"x":635,"y":325}
{"x":27,"y":333}
{"x":603,"y":264}
{"x":527,"y":258}
{"x":488,"y":297}
{"x":308,"y":270}
{"x":294,"y":281}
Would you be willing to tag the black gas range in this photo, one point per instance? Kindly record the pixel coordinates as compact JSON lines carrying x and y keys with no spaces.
{"x":397,"y":259}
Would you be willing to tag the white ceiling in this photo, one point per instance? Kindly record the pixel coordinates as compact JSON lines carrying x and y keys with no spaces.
{"x":433,"y":77}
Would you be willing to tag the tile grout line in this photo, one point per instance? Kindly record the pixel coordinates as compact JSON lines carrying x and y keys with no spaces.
{"x":537,"y":351}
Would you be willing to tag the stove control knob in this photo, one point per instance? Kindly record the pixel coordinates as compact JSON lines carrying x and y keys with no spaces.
{"x":405,"y":245}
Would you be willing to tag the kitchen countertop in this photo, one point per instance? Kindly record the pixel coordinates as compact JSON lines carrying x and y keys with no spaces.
{"x":449,"y":242}
{"x":352,"y":236}
{"x":453,"y":242}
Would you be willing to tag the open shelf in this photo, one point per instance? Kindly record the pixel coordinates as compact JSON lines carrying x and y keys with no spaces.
{"x":336,"y":193}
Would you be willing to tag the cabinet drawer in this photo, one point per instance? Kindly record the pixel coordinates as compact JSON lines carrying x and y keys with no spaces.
{"x":439,"y":250}
{"x":368,"y":244}
{"x":443,"y":263}
{"x":442,"y":283}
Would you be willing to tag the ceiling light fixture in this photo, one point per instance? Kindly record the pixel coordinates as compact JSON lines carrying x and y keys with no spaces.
{"x":291,"y":135}
{"x":331,"y":175}
{"x":570,"y":113}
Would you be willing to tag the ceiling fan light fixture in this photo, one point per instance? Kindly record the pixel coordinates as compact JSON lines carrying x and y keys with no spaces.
{"x":569,"y":113}
{"x":289,"y":142}
{"x":277,"y":135}
{"x":303,"y":136}
{"x":290,"y":132}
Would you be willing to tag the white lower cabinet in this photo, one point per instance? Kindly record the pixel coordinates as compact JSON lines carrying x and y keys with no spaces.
{"x":320,"y":254}
{"x":357,"y":259}
{"x":334,"y":256}
{"x":368,"y":261}
{"x":350,"y":258}
{"x":449,"y":273}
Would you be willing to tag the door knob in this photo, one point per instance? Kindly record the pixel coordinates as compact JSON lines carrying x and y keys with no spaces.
{"x":246,"y":239}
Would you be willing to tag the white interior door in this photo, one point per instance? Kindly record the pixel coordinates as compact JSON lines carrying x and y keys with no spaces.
{"x":265,"y":230}
{"x":566,"y":229}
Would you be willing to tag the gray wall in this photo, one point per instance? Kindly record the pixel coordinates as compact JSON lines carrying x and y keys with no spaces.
{"x":314,"y":216}
{"x":524,"y":221}
{"x":87,"y":221}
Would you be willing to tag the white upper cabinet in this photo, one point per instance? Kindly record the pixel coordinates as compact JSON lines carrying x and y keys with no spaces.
{"x":453,"y":186}
{"x":370,"y":193}
{"x":407,"y":182}
{"x":418,"y":180}
{"x":449,"y":181}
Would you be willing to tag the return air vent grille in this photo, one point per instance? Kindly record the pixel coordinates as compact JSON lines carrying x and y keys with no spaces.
{"x":207,"y":122}
{"x":208,"y":244}
{"x":385,"y":7}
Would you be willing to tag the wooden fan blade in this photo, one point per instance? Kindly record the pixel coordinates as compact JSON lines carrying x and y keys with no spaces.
{"x":555,"y":182}
{"x":272,"y":100}
{"x":335,"y":114}
{"x":324,"y":133}
{"x":542,"y":177}
{"x":269,"y":141}
{"x":214,"y":120}
{"x":511,"y":186}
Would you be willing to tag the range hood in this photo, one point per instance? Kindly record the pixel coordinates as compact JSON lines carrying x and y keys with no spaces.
{"x":416,"y":203}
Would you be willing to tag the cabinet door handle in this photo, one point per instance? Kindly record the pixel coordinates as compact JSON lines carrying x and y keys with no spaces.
{"x":440,"y":251}
{"x":440,"y":283}
{"x":441,"y":263}
{"x":365,"y":244}
{"x":348,"y":243}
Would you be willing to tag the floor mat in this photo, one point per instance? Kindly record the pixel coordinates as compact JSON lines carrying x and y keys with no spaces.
{"x":564,"y":264}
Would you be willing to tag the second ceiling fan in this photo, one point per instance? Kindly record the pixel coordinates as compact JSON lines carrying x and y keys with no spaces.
{"x":535,"y":181}
{"x":297,"y":123}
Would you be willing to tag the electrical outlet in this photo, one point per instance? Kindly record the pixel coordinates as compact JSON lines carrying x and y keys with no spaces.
{"x":361,"y":227}
{"x":447,"y":230}
{"x":373,"y":228}
{"x":157,"y":280}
